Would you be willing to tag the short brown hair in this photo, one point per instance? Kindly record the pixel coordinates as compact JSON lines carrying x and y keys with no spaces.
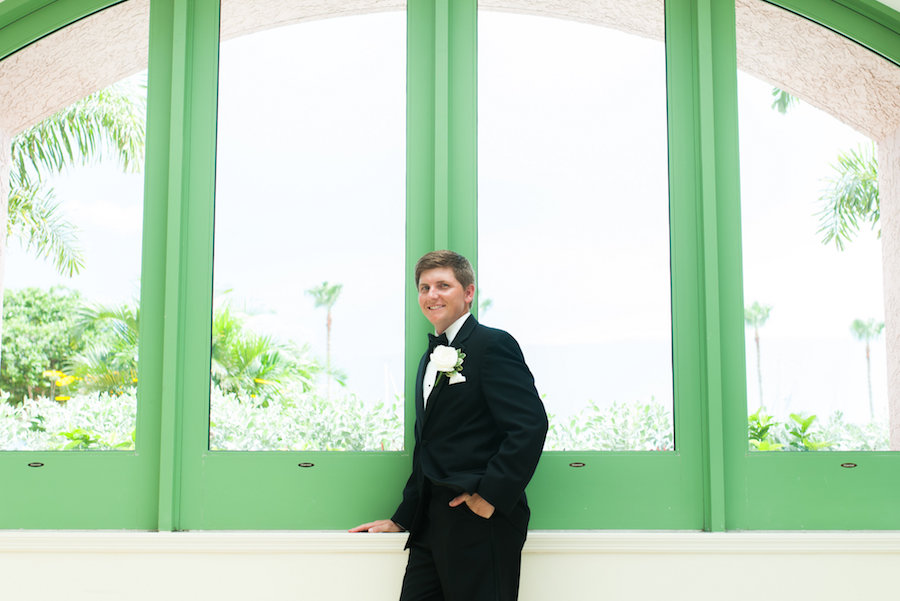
{"x":436,"y":259}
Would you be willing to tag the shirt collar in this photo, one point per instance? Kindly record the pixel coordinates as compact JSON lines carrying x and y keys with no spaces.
{"x":453,"y":329}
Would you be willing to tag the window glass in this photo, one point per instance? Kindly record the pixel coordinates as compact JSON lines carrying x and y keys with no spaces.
{"x":573,"y":217}
{"x":813,"y":250}
{"x":71,"y":276}
{"x":307,"y":325}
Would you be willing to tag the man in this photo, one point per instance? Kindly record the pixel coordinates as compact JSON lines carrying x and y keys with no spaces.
{"x":480,"y":428}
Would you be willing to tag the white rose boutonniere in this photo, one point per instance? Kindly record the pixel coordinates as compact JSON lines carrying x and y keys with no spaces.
{"x":448,"y":361}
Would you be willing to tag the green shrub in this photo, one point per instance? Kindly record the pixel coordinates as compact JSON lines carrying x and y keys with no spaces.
{"x":802,"y":432}
{"x":619,"y":427}
{"x":37,"y":338}
{"x":306,"y":422}
{"x":95,"y":422}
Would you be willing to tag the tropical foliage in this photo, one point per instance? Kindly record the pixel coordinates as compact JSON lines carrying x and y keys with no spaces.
{"x":38,"y":337}
{"x":851,"y":198}
{"x":619,"y":427}
{"x":802,"y":432}
{"x":110,"y":121}
{"x":255,"y":367}
{"x":94,"y":421}
{"x":783,"y":101}
{"x":109,"y":361}
{"x":55,"y":344}
{"x":305,"y":422}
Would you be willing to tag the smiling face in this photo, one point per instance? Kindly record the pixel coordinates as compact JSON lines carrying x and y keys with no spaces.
{"x":442,"y":298}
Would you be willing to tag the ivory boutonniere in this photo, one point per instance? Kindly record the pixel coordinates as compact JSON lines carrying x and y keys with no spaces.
{"x":448,"y":361}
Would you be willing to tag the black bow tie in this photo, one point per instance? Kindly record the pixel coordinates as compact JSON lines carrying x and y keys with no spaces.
{"x":435,"y":341}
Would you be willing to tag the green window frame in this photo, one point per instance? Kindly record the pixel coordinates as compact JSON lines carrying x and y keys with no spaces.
{"x":781,"y":491}
{"x":173,"y":482}
{"x":91,"y":489}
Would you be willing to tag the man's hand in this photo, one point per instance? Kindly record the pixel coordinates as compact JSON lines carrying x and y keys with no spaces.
{"x":378,"y":526}
{"x":476,"y":503}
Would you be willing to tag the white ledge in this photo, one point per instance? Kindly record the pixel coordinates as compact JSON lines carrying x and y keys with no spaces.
{"x":539,"y":542}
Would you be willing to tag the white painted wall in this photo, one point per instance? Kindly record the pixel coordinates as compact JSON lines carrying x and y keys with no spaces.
{"x":335,"y":566}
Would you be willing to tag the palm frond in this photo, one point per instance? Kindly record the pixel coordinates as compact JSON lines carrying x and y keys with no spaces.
{"x":783,"y":100}
{"x":103,"y":369}
{"x":36,"y":219}
{"x":851,"y":198}
{"x":108,"y":121}
{"x":122,"y":320}
{"x":325,"y":294}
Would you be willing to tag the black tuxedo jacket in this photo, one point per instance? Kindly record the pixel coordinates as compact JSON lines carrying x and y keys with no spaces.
{"x":484,"y":435}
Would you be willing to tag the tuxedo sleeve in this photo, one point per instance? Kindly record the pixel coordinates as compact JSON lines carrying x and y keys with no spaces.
{"x":513,"y":401}
{"x":406,"y":511}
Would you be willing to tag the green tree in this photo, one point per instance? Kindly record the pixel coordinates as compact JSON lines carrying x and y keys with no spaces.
{"x":250,"y":365}
{"x":756,"y":316}
{"x":326,"y":295}
{"x":783,"y":100}
{"x":483,"y":304}
{"x":867,"y":331}
{"x":110,"y":121}
{"x":108,"y":361}
{"x":851,"y":197}
{"x":37,"y":338}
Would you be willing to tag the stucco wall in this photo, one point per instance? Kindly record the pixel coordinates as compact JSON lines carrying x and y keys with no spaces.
{"x":62,"y":68}
{"x":889,"y":192}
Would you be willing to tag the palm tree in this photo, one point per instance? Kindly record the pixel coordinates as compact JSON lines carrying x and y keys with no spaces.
{"x":783,"y":100}
{"x":483,"y":304}
{"x":109,"y":360}
{"x":852,"y":197}
{"x":868,"y":331}
{"x":252,"y":365}
{"x":326,"y":295}
{"x":110,"y":121}
{"x":755,"y":316}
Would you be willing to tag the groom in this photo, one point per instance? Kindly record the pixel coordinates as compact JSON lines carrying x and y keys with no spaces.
{"x":480,"y":428}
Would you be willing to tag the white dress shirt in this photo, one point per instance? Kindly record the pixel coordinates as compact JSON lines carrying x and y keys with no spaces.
{"x":430,"y":376}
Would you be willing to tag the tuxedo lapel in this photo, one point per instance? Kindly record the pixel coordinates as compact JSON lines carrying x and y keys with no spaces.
{"x":464,"y":332}
{"x":458,"y":341}
{"x":420,"y":403}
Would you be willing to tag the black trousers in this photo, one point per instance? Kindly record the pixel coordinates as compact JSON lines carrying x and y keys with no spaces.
{"x":455,"y":555}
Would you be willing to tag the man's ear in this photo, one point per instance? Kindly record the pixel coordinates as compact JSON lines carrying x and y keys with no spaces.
{"x":470,"y":294}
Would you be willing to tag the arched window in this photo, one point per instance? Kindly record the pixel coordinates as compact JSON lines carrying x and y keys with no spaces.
{"x":615,"y":172}
{"x":75,"y":414}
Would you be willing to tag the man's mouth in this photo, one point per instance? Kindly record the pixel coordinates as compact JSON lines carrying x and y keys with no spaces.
{"x":433,"y":307}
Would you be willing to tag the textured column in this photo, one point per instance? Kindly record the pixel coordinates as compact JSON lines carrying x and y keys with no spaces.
{"x":5,"y":164}
{"x":889,"y":190}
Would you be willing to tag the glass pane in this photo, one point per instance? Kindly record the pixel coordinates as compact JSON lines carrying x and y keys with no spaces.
{"x":812,"y":247}
{"x":573,"y":200}
{"x":307,"y":343}
{"x":71,"y":281}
